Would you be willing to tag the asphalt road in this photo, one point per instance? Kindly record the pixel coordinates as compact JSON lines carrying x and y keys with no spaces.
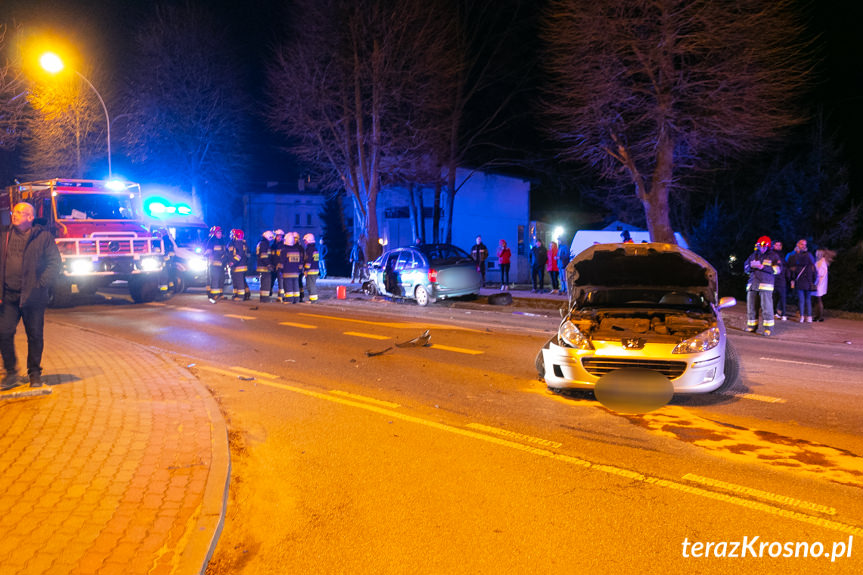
{"x":352,"y":454}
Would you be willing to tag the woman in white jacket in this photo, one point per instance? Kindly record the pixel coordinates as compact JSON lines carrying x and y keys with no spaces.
{"x":823,"y":259}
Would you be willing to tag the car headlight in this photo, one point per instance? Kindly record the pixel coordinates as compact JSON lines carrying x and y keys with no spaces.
{"x":705,"y":340}
{"x":151,"y":264}
{"x":197,"y":263}
{"x":81,"y":266}
{"x":572,"y":336}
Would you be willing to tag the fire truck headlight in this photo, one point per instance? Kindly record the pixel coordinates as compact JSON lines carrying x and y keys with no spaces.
{"x":197,"y":264}
{"x":81,"y":266}
{"x":150,"y":264}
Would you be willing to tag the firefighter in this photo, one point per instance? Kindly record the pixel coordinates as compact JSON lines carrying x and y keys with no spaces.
{"x":264,"y":266}
{"x":292,"y":267}
{"x":311,"y":266}
{"x":168,"y":275}
{"x":215,"y":253}
{"x":302,"y":270}
{"x":238,"y":261}
{"x":762,"y":266}
{"x":276,"y":250}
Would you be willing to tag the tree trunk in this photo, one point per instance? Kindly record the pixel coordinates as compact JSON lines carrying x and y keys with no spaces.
{"x":655,"y":200}
{"x":436,"y":212}
{"x":450,"y":202}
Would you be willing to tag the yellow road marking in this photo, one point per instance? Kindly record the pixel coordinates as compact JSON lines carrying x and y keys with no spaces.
{"x":302,"y":325}
{"x":366,"y":399}
{"x":242,"y":317}
{"x":253,"y":372}
{"x":514,"y":435}
{"x":828,"y":366}
{"x":156,"y":303}
{"x":366,"y":335}
{"x":610,"y":469}
{"x":194,"y":309}
{"x":456,"y":349}
{"x":760,"y":494}
{"x":397,"y":325}
{"x":756,"y":397}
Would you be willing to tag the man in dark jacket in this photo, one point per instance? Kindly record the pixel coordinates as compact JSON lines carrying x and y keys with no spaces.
{"x":538,"y":260}
{"x":29,"y":264}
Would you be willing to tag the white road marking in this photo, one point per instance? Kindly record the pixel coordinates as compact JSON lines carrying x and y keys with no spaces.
{"x":756,"y":397}
{"x":514,"y":435}
{"x":795,"y":362}
{"x":194,"y":309}
{"x":381,"y":402}
{"x":760,"y":494}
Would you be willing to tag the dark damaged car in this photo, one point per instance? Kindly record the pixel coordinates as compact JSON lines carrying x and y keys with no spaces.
{"x":650,"y":306}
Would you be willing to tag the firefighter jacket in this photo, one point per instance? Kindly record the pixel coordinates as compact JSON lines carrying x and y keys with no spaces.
{"x":262,"y":257}
{"x":311,"y":263}
{"x":215,"y":252}
{"x":238,"y":255}
{"x":292,"y":261}
{"x":762,"y":279}
{"x":276,"y":249}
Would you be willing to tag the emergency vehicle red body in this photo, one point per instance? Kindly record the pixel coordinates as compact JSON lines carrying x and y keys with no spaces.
{"x":99,"y":231}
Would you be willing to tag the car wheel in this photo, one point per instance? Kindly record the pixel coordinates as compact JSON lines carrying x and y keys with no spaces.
{"x":369,"y":288}
{"x":732,"y":369}
{"x":422,"y":296}
{"x":539,"y":362}
{"x":144,"y":290}
{"x":503,"y":298}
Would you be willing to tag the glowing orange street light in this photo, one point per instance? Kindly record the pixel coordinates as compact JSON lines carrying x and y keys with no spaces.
{"x":53,"y":64}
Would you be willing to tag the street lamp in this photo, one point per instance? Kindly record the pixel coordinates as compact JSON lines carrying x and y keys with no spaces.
{"x":52,"y":63}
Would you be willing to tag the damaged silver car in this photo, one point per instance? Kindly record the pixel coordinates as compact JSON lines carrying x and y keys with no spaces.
{"x":650,"y":306}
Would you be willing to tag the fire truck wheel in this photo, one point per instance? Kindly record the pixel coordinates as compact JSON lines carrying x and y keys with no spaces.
{"x":144,"y":290}
{"x":87,"y":289}
{"x":61,"y":293}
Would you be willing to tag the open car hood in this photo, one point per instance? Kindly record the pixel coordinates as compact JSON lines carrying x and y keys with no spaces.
{"x":647,"y":265}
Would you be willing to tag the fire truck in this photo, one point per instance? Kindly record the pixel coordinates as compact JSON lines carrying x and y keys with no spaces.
{"x":98,"y":226}
{"x":188,"y":235}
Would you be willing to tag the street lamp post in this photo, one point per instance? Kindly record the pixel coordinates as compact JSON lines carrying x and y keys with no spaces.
{"x":52,"y":63}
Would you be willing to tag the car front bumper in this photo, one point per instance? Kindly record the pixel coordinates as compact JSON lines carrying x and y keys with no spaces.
{"x":569,"y":368}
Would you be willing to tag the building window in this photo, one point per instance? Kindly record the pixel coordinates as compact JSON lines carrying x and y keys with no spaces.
{"x":308,"y":219}
{"x":296,"y":219}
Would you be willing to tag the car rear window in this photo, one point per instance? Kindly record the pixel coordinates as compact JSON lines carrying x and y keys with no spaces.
{"x":439,"y":254}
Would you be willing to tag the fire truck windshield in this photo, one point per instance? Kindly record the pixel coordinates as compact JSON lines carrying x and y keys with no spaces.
{"x":94,"y":207}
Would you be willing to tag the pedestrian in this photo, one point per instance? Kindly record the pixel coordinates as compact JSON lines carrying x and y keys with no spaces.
{"x":479,"y":253}
{"x":762,"y":266}
{"x":29,"y":265}
{"x":322,"y":263}
{"x":276,"y":256}
{"x":801,"y":266}
{"x":238,"y":262}
{"x":780,"y":288}
{"x":215,"y":253}
{"x":563,"y":258}
{"x":311,"y":266}
{"x":503,"y":257}
{"x":538,"y":260}
{"x":264,"y":265}
{"x":823,"y":259}
{"x":358,"y":262}
{"x":552,"y":266}
{"x":291,"y":268}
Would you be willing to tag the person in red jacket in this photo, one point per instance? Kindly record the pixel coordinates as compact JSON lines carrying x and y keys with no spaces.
{"x":552,"y":266}
{"x":503,"y":256}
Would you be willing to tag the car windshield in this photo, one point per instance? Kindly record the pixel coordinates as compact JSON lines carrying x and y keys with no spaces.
{"x":633,"y":297}
{"x":442,"y":254}
{"x":94,"y":207}
{"x":189,"y":236}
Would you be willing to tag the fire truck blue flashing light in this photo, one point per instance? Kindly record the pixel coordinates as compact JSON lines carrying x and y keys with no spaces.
{"x":160,"y":208}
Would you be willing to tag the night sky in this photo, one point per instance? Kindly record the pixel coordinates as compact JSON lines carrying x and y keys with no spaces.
{"x":102,"y":27}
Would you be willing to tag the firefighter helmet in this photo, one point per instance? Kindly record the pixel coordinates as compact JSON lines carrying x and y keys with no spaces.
{"x":215,"y":230}
{"x":237,"y":234}
{"x":764,"y":241}
{"x":309,"y":238}
{"x":269,"y":235}
{"x":279,"y":233}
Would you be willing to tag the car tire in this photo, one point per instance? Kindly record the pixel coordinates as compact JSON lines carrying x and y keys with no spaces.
{"x":732,"y":369}
{"x":503,"y":298}
{"x":61,"y":293}
{"x":369,"y":288}
{"x":144,"y":290}
{"x":539,"y":362}
{"x":422,"y":296}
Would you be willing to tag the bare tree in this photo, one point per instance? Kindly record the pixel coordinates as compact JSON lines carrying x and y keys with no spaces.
{"x":185,"y":123}
{"x":353,"y":90}
{"x":13,"y":94}
{"x":646,"y":90}
{"x":66,"y":131}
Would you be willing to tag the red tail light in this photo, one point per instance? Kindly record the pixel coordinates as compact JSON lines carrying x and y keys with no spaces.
{"x":432,"y":275}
